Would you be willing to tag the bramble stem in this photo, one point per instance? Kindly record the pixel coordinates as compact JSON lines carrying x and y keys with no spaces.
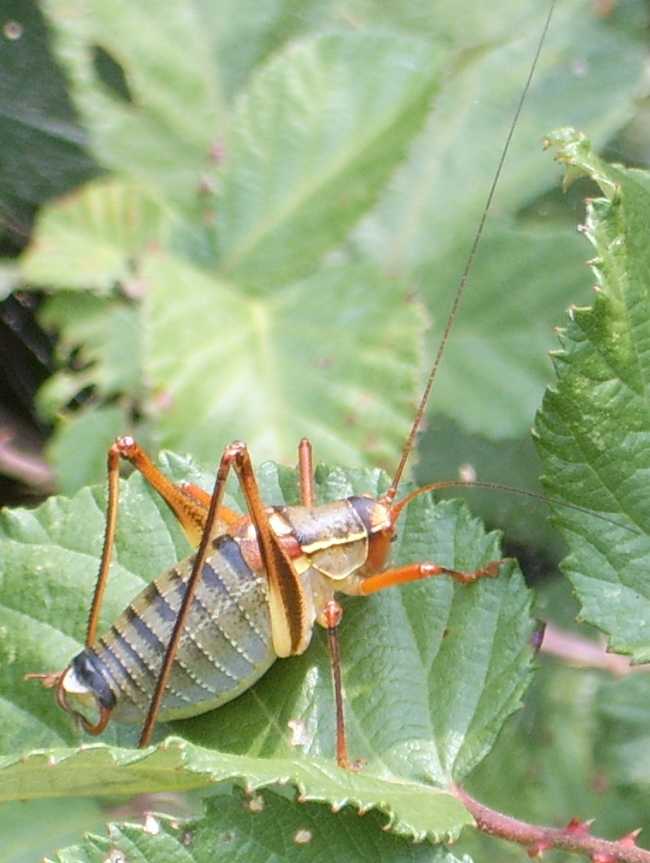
{"x":585,"y":652}
{"x":575,"y":837}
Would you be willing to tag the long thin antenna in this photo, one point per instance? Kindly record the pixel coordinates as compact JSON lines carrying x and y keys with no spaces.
{"x":460,"y":290}
{"x":397,"y":508}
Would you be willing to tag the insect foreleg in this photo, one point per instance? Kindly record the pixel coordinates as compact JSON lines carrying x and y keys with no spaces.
{"x":417,"y":571}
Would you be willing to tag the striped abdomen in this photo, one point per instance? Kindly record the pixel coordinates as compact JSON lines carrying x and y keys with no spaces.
{"x":225,"y":648}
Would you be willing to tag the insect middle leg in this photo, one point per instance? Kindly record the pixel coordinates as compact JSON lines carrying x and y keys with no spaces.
{"x":331,"y":615}
{"x":306,"y":472}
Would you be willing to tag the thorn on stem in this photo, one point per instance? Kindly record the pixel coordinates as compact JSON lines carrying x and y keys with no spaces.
{"x":629,"y":840}
{"x":536,"y":850}
{"x":578,"y":827}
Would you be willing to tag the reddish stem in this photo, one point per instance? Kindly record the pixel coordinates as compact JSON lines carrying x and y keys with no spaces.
{"x":585,"y":653}
{"x":19,"y":464}
{"x":574,"y":838}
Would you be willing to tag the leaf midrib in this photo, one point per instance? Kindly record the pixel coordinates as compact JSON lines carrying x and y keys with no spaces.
{"x":308,"y":190}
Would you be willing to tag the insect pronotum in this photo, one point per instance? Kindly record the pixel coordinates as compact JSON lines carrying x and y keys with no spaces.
{"x":259,"y":581}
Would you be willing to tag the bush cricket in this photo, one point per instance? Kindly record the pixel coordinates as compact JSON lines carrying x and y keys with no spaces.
{"x":258,"y":582}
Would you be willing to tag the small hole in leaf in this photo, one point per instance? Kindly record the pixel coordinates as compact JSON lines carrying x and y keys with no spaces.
{"x":111,"y":74}
{"x":12,"y":30}
{"x":255,"y":804}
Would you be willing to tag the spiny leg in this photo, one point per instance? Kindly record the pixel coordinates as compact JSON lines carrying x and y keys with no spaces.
{"x":280,"y":573}
{"x":192,"y":585}
{"x":331,"y":615}
{"x":290,"y":628}
{"x":330,"y":618}
{"x":306,"y":472}
{"x":417,"y":571}
{"x":188,"y":502}
{"x":113,"y":472}
{"x":54,"y":680}
{"x":190,"y":505}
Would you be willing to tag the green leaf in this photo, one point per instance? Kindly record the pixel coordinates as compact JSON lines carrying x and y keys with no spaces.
{"x":9,"y":277}
{"x":354,"y":398}
{"x":569,"y":749}
{"x":622,"y":708}
{"x":593,"y":426}
{"x":498,"y":362}
{"x":155,"y":115}
{"x":431,"y":671}
{"x":256,"y":31}
{"x":99,"y":342}
{"x":30,"y":830}
{"x":259,"y":369}
{"x":554,"y":759}
{"x":417,"y":237}
{"x":99,"y":346}
{"x":42,"y":146}
{"x":90,"y":240}
{"x":415,"y":811}
{"x":79,"y":445}
{"x":494,"y":370}
{"x":447,"y":452}
{"x":412,"y":231}
{"x":312,"y":142}
{"x":266,"y":827}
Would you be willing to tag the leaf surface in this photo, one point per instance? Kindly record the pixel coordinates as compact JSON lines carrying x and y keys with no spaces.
{"x":151,"y":106}
{"x":431,"y":671}
{"x":90,"y":240}
{"x":496,"y":365}
{"x":413,"y":810}
{"x":264,"y":828}
{"x":594,"y":426}
{"x":42,"y":145}
{"x":59,"y":825}
{"x":331,"y":117}
{"x":78,"y":447}
{"x":258,"y":369}
{"x":528,"y":264}
{"x":100,"y":338}
{"x":309,"y":146}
